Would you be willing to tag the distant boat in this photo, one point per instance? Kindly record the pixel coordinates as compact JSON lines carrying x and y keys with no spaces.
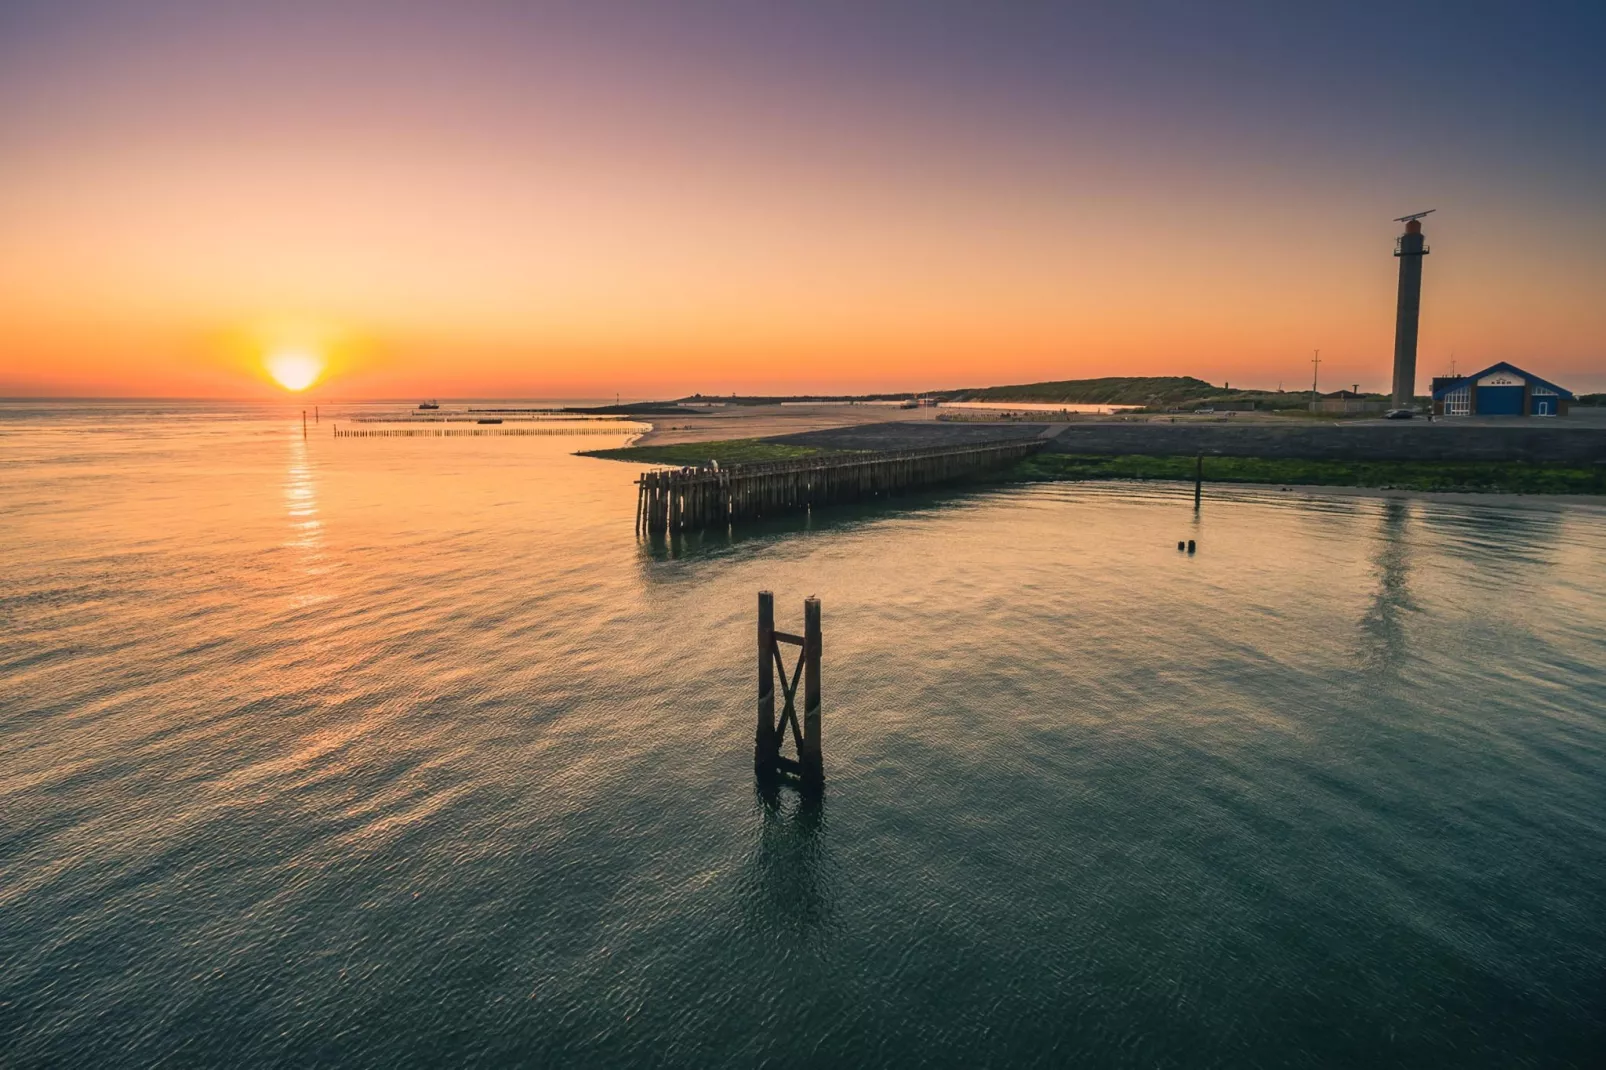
{"x":429,"y":404}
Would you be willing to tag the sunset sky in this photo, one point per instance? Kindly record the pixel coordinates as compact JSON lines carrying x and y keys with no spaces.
{"x":475,"y":199}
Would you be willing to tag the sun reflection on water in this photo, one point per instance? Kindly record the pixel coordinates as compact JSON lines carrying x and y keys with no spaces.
{"x":306,"y":537}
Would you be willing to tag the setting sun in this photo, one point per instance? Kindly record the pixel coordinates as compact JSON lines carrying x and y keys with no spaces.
{"x":294,"y":369}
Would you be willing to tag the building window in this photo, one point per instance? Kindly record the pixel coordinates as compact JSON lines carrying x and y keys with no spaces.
{"x":1458,"y":402}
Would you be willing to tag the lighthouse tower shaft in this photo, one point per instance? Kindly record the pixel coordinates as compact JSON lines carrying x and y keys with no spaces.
{"x":1410,"y":249}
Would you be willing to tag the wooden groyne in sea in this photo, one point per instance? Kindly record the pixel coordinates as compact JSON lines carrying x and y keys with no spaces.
{"x":474,"y":419}
{"x":454,"y":432}
{"x":679,"y":499}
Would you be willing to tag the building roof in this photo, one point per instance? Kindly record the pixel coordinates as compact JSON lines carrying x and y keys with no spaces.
{"x":1504,"y":366}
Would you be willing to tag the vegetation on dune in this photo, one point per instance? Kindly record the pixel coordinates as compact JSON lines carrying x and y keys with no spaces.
{"x":1154,"y":393}
{"x":727,"y":452}
{"x":1112,"y":390}
{"x":1511,"y":477}
{"x":1116,"y":390}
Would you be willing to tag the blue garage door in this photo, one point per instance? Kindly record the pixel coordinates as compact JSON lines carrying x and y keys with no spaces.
{"x":1499,"y":401}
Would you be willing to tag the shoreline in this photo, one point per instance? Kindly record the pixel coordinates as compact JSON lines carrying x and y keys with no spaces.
{"x":1522,"y":460}
{"x":1464,"y":480}
{"x":1463,"y":497}
{"x":771,"y":421}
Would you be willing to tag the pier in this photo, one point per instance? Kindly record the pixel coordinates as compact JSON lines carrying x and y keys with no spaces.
{"x":454,"y":432}
{"x":476,"y":415}
{"x":681,"y":499}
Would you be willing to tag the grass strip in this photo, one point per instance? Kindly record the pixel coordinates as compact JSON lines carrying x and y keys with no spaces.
{"x":1494,"y":477}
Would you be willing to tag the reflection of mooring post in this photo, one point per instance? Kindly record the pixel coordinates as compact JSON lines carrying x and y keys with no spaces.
{"x":767,"y":757}
{"x":1198,"y":478}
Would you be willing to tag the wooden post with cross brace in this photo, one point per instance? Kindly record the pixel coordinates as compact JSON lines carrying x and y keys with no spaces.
{"x":771,"y":735}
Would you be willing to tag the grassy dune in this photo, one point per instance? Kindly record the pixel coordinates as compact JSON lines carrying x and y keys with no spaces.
{"x":1112,"y":390}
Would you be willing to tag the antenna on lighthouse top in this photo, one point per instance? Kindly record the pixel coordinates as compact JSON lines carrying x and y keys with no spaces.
{"x":1418,"y":215}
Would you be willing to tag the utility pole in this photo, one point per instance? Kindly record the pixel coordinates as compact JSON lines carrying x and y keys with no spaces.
{"x":1315,"y":368}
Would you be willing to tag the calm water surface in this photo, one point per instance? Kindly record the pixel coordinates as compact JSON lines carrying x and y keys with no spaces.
{"x":406,"y":752}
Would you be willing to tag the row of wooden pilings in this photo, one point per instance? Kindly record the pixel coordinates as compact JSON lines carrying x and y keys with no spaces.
{"x":593,"y":421}
{"x":455,"y":432}
{"x":680,"y":499}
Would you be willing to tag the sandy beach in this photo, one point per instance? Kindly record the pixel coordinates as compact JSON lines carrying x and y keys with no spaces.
{"x":764,"y":421}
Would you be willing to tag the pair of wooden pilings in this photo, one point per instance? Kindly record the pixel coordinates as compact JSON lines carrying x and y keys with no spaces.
{"x":809,"y":766}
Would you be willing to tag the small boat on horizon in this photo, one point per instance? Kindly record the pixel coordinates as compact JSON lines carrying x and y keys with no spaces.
{"x":432,"y":404}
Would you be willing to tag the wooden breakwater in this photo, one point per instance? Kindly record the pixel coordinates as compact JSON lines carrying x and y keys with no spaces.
{"x":548,"y":419}
{"x":454,"y":432}
{"x":679,"y":499}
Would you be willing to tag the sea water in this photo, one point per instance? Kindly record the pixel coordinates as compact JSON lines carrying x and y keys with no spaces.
{"x":381,"y":752}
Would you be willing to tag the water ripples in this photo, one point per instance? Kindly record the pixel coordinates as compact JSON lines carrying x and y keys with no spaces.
{"x":407,"y":751}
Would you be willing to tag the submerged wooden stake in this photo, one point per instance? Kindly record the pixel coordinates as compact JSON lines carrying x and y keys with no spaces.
{"x":1198,"y":478}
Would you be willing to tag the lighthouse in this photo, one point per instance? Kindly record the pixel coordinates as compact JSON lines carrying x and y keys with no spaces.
{"x":1409,"y":248}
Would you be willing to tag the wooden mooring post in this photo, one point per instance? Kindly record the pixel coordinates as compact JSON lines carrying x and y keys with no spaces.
{"x":809,"y":766}
{"x":1198,"y":479}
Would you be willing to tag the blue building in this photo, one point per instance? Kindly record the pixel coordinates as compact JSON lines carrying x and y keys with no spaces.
{"x":1499,"y":390}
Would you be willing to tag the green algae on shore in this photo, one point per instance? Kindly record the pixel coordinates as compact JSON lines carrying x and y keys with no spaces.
{"x":1509,"y":477}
